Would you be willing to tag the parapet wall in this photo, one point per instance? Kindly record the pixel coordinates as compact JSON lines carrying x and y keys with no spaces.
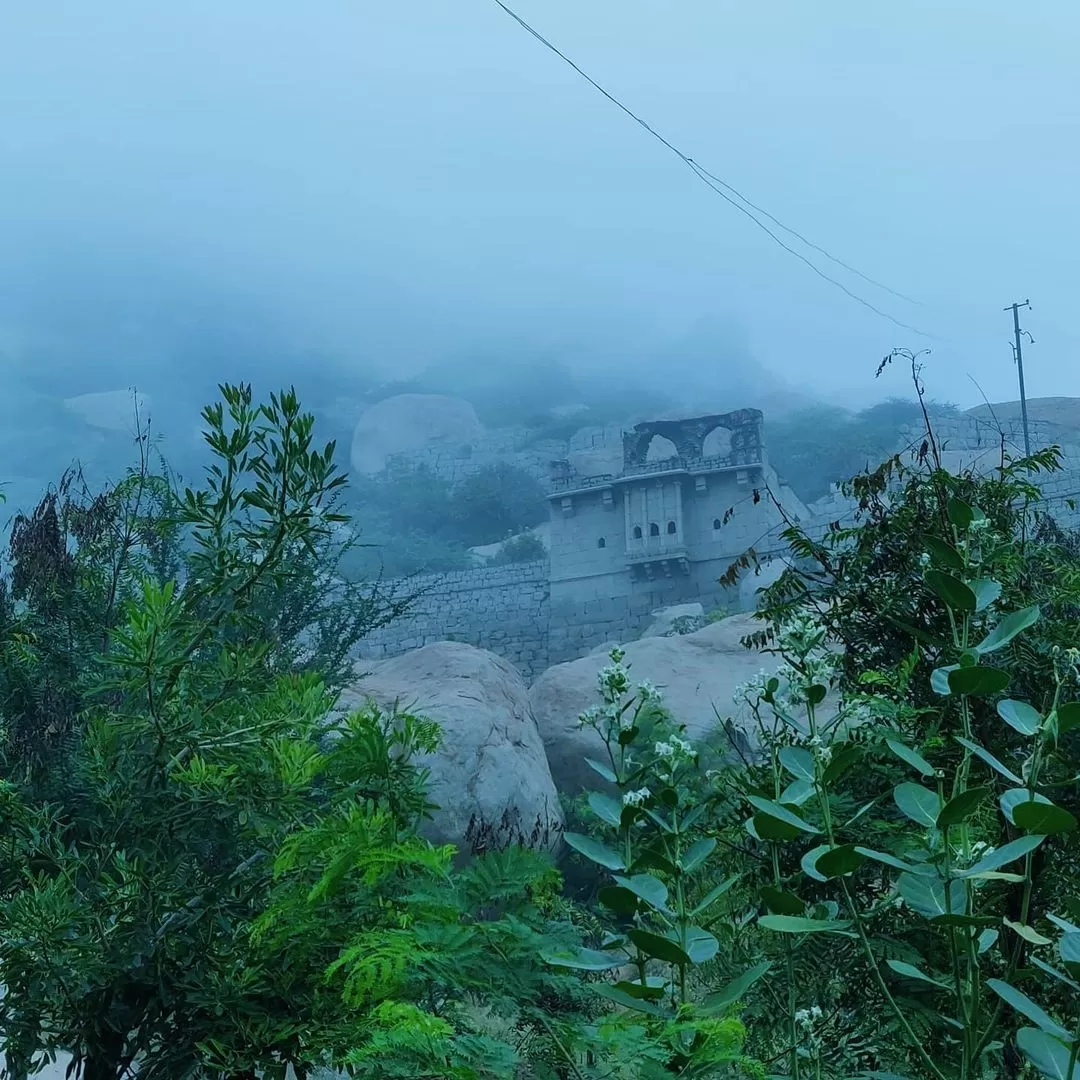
{"x":504,"y":609}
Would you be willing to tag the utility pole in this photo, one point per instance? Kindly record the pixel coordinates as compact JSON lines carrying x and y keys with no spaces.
{"x":1019,"y":355}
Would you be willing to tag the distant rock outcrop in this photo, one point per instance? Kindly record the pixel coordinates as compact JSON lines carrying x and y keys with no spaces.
{"x":109,"y":410}
{"x":410,"y":423}
{"x":490,"y":772}
{"x":697,"y":674}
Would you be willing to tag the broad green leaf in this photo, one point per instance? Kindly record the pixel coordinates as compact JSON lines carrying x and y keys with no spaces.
{"x":1039,"y":817}
{"x":961,"y":514}
{"x":790,"y":924}
{"x":661,"y":948}
{"x":606,"y":808}
{"x":769,"y":828}
{"x":714,"y":894}
{"x":950,"y":590}
{"x":1061,"y":977}
{"x":1063,"y":924}
{"x":648,"y":888}
{"x":621,"y":997}
{"x":594,"y":850}
{"x":943,"y":553}
{"x":1010,"y":799}
{"x":1049,"y":1055}
{"x":736,"y":989}
{"x":798,"y":762}
{"x":653,"y":989}
{"x":978,"y":681}
{"x":1002,"y":856}
{"x":939,"y":679}
{"x":656,"y":819}
{"x":906,"y":754}
{"x":1068,"y":717}
{"x":816,"y":694}
{"x":602,"y":770}
{"x":918,"y":803}
{"x":583,"y":959}
{"x":1008,"y":628}
{"x":986,"y":940}
{"x":701,"y":946}
{"x":1020,"y":716}
{"x":1022,"y":1004}
{"x":1028,"y":933}
{"x":962,"y":807}
{"x":781,"y":902}
{"x":796,"y":793}
{"x":893,"y":861}
{"x":1069,"y":951}
{"x":810,"y":858}
{"x":779,"y":813}
{"x":839,"y":861}
{"x":989,"y":758}
{"x":909,"y":971}
{"x":616,"y":898}
{"x":927,"y":896}
{"x":697,"y":853}
{"x":986,"y":592}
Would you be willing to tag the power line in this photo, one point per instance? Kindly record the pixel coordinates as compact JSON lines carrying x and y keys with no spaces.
{"x":717,"y":185}
{"x":809,"y":243}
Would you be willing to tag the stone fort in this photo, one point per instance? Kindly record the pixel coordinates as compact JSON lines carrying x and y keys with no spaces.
{"x":690,"y":498}
{"x":683,"y":501}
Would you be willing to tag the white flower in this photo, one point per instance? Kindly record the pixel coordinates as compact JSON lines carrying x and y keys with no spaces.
{"x":636,"y":798}
{"x":590,"y":716}
{"x":664,"y":750}
{"x":647,"y":692}
{"x":924,"y":559}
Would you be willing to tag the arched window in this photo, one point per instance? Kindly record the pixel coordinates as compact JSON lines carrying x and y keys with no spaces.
{"x":671,"y":530}
{"x":661,"y":448}
{"x":637,"y":532}
{"x":654,"y":529}
{"x":717,"y":524}
{"x":601,"y":542}
{"x":717,"y":443}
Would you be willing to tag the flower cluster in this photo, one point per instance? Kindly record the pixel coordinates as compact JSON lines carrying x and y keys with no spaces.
{"x":636,"y":798}
{"x":802,"y":635}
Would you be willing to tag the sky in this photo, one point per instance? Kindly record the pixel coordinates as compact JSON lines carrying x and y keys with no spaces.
{"x":201,"y":191}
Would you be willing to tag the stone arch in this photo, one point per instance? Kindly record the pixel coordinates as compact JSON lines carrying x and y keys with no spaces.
{"x":717,"y":443}
{"x":654,"y":529}
{"x":661,"y":448}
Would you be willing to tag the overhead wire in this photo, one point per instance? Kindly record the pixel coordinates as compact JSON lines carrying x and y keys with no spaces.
{"x":718,"y":186}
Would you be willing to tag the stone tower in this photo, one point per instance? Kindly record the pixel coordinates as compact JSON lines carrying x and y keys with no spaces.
{"x":689,"y":499}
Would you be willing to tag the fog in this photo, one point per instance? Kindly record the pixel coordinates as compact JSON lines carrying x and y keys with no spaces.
{"x":351,"y":191}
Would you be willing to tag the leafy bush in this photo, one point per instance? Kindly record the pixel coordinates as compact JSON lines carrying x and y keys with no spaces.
{"x":417,"y":523}
{"x":815,"y":448}
{"x":526,"y":548}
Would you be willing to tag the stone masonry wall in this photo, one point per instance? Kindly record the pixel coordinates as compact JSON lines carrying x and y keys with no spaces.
{"x":504,"y":609}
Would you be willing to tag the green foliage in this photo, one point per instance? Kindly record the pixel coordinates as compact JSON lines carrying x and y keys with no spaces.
{"x":815,"y":448}
{"x":916,"y":798}
{"x":526,"y":548}
{"x":417,"y":523}
{"x":194,"y":744}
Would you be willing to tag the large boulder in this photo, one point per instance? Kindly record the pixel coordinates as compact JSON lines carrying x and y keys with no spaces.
{"x":490,"y":771}
{"x":697,"y":674}
{"x":407,"y":423}
{"x":678,"y":619}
